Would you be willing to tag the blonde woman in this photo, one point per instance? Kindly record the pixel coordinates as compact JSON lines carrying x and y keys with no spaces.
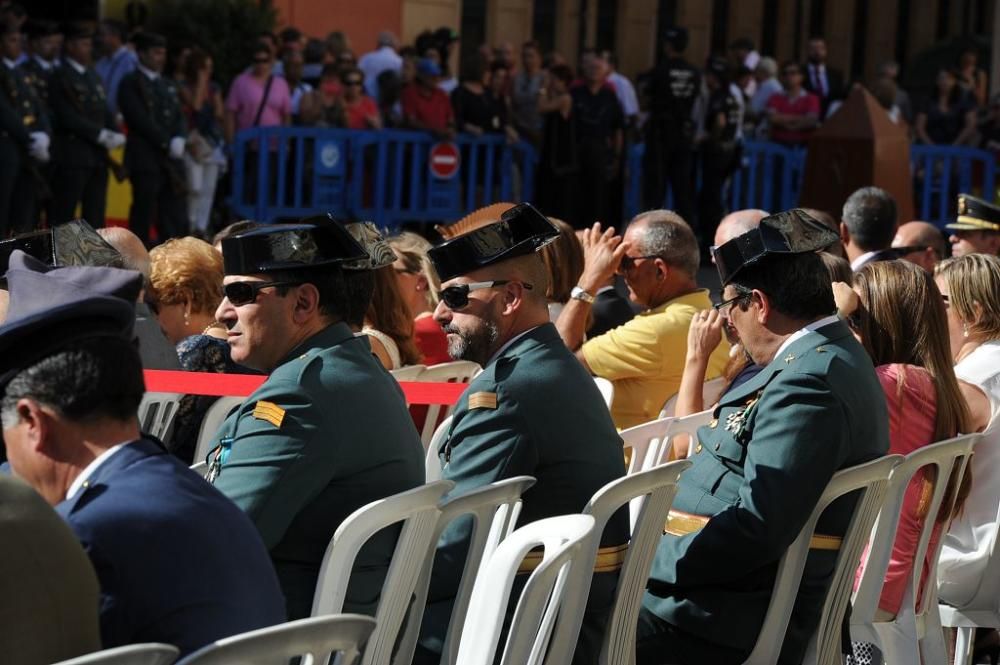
{"x":419,"y":284}
{"x":185,"y":289}
{"x":970,"y":286}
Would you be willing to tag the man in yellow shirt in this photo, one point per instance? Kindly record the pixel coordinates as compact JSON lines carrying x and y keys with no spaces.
{"x":658,"y":257}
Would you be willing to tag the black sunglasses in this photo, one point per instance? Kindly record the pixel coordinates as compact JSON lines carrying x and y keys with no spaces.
{"x":910,"y":249}
{"x":457,"y":297}
{"x":352,"y":82}
{"x":718,"y":307}
{"x":243,"y":293}
{"x":628,"y":262}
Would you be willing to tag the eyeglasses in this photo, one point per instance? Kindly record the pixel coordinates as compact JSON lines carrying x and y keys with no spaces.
{"x":628,"y":262}
{"x":243,"y":293}
{"x":457,"y":297}
{"x":946,"y":299}
{"x":726,"y":305}
{"x":910,"y":249}
{"x":352,"y":82}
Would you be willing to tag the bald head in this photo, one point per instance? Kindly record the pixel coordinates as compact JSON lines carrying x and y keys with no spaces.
{"x":737,"y":223}
{"x":924,"y":244}
{"x":529,"y":269}
{"x":129,"y":246}
{"x":920,"y":233}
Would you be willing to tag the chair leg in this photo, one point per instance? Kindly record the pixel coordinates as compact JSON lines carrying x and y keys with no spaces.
{"x":964,"y":644}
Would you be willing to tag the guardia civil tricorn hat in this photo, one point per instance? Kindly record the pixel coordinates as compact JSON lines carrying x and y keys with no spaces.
{"x":975,"y":215}
{"x":316,"y":242}
{"x":521,"y":230}
{"x":789,"y":232}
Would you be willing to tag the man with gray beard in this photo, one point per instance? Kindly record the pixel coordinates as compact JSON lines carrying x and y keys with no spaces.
{"x":532,"y":411}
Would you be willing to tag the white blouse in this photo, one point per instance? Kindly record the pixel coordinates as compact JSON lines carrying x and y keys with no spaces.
{"x":967,"y":545}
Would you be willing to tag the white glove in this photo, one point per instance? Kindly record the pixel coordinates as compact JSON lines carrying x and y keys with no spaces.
{"x":177,"y":147}
{"x":110,"y":139}
{"x":39,"y":147}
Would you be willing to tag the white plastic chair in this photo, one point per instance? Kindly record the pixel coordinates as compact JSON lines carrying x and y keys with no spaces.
{"x":133,"y":654}
{"x":418,"y":510}
{"x":408,"y":373}
{"x":911,"y":633}
{"x":494,"y":509}
{"x":432,"y":462}
{"x":870,"y":481}
{"x":562,"y":538}
{"x":607,"y":390}
{"x":650,"y":493}
{"x":651,"y":442}
{"x":157,"y":412}
{"x":458,"y":371}
{"x":315,"y":638}
{"x":711,"y":391}
{"x":210,"y":424}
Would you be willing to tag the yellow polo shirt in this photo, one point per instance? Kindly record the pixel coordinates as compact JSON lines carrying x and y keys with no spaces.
{"x":645,"y":358}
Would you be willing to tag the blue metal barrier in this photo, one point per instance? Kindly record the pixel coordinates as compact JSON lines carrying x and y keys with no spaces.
{"x":383,"y":176}
{"x":940,"y":174}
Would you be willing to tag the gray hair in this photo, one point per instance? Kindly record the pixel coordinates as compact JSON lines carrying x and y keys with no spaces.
{"x":870,"y":216}
{"x":768,"y":65}
{"x":667,"y":236}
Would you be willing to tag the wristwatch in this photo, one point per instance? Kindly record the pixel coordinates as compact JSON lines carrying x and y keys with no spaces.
{"x":579,"y":294}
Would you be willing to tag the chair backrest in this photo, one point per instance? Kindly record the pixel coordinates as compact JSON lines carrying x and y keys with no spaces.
{"x":711,"y":391}
{"x":314,"y":638}
{"x":214,"y":417}
{"x":408,"y":373}
{"x":650,"y":493}
{"x":417,"y":509}
{"x":457,"y":371}
{"x":157,"y":412}
{"x":870,"y":480}
{"x":494,"y":510}
{"x":132,"y":654}
{"x":432,"y":462}
{"x":943,"y":457}
{"x":650,"y":443}
{"x":561,"y":537}
{"x":607,"y":390}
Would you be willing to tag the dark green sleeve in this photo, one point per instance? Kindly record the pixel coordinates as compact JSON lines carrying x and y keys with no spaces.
{"x":486,"y":445}
{"x":274,"y":471}
{"x":799,"y":440}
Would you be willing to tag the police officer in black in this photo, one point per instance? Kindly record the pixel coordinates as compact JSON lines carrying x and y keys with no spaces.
{"x":721,"y":147}
{"x":84,"y":133}
{"x":672,"y":88}
{"x":24,"y":140}
{"x":43,"y":47}
{"x":151,"y":107}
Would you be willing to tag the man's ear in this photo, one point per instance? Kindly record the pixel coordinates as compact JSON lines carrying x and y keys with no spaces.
{"x":36,"y":421}
{"x":513,"y":295}
{"x":306,"y":302}
{"x":766,"y":309}
{"x":845,"y":235}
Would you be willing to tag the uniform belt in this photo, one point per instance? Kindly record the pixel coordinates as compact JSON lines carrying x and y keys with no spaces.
{"x":680,"y":524}
{"x":609,"y":559}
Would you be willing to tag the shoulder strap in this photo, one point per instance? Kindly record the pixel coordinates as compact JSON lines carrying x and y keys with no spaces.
{"x":263,"y":100}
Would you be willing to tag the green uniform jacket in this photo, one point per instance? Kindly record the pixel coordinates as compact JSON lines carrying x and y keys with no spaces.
{"x":327,"y":433}
{"x":79,"y":112}
{"x":759,"y":471}
{"x":549,"y":422}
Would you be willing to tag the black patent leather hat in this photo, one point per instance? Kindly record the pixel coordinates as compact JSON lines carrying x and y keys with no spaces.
{"x":314,"y":243}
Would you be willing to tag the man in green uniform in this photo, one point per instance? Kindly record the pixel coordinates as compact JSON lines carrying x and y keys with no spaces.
{"x":328,"y":432}
{"x":151,"y":107}
{"x":532,"y":411}
{"x":25,"y":134}
{"x":43,"y":47}
{"x":84,"y":132}
{"x":761,"y":465}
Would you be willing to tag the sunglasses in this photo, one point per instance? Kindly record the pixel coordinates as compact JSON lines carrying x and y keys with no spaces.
{"x":628,"y":262}
{"x":726,"y":304}
{"x":352,"y":82}
{"x":910,"y":249}
{"x":457,"y":297}
{"x":244,"y":293}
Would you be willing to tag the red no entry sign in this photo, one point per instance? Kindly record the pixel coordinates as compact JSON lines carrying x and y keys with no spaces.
{"x":444,"y":160}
